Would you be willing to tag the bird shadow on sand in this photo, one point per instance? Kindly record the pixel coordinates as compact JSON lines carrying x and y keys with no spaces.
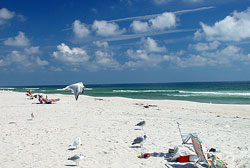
{"x":70,"y":165}
{"x":71,"y":149}
{"x":137,"y":129}
{"x":161,"y":154}
{"x":29,"y":119}
{"x":180,"y":165}
{"x":135,"y":146}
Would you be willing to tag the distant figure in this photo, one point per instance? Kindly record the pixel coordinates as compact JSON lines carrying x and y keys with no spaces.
{"x":140,"y":140}
{"x":30,"y":94}
{"x":76,"y":158}
{"x":77,"y":142}
{"x":32,"y":115}
{"x":141,"y":124}
{"x":42,"y":100}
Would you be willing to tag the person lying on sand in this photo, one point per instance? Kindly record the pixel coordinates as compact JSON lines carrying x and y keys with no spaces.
{"x":42,"y":100}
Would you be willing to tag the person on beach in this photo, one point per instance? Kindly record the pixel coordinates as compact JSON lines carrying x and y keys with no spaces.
{"x":31,"y":94}
{"x":42,"y":100}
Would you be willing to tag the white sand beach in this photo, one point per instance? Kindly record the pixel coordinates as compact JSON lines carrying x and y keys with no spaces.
{"x":107,"y":129}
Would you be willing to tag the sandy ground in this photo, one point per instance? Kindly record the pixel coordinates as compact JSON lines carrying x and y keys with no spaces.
{"x":107,"y":129}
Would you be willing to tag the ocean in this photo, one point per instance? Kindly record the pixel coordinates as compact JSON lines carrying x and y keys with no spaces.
{"x":206,"y":92}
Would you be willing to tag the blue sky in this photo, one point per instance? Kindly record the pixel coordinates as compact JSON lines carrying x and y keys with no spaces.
{"x":123,"y":41}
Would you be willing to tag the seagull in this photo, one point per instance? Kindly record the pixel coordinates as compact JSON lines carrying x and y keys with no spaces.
{"x":77,"y":142}
{"x":76,"y":158}
{"x":141,"y":124}
{"x":32,"y":115}
{"x":140,"y":140}
{"x":77,"y":89}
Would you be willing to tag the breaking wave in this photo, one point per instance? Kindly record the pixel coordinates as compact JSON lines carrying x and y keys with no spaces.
{"x":146,"y":91}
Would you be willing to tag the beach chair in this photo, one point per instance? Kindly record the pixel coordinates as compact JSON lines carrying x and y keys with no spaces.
{"x":186,"y":137}
{"x":212,"y":162}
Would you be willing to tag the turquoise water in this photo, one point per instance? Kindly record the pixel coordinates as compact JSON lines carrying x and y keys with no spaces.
{"x":214,"y":92}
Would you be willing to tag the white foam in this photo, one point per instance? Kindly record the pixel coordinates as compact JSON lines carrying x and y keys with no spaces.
{"x":7,"y":88}
{"x":145,"y":91}
{"x":61,"y":89}
{"x":218,"y":93}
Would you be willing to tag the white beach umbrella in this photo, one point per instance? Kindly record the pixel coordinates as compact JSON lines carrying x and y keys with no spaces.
{"x":77,"y":89}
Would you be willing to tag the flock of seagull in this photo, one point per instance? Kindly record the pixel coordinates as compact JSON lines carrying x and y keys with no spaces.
{"x":77,"y":158}
{"x":140,"y":140}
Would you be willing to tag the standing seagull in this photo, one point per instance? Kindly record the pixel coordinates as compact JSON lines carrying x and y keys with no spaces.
{"x":76,"y":158}
{"x":141,"y":124}
{"x":32,"y":115}
{"x":77,"y":142}
{"x":77,"y":89}
{"x":140,"y":140}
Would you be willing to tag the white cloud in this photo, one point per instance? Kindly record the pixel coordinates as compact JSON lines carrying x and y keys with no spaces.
{"x":105,"y":29}
{"x":159,"y":22}
{"x":154,"y":15}
{"x":141,"y":58}
{"x":206,"y":46}
{"x":23,"y":59}
{"x":101,"y":44}
{"x":32,"y":50}
{"x":149,"y":54}
{"x":226,"y":56}
{"x":16,"y":56}
{"x":106,"y":59}
{"x":5,"y":15}
{"x":138,"y":55}
{"x":41,"y":62}
{"x":234,"y":27}
{"x":19,"y":40}
{"x":163,"y":21}
{"x":139,"y":27}
{"x":151,"y":46}
{"x":73,"y":56}
{"x":80,"y":29}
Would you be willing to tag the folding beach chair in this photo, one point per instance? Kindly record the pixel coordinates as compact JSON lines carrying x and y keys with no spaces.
{"x":214,"y":162}
{"x":185,"y":137}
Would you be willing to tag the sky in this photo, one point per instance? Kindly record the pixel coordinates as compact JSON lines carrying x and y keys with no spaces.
{"x":123,"y":41}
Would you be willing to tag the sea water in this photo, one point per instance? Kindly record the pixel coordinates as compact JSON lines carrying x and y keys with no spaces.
{"x":207,"y":92}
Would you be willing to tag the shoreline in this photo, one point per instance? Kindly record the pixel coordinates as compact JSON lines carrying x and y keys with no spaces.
{"x":106,"y":126}
{"x":131,"y":98}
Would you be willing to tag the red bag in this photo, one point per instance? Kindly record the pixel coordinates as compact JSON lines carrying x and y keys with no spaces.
{"x":183,"y":159}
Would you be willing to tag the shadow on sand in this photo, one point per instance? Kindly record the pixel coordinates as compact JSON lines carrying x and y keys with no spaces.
{"x":71,"y":149}
{"x":135,"y":146}
{"x":70,"y":165}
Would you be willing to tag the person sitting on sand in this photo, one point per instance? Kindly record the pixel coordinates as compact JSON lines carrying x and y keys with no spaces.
{"x":42,"y":100}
